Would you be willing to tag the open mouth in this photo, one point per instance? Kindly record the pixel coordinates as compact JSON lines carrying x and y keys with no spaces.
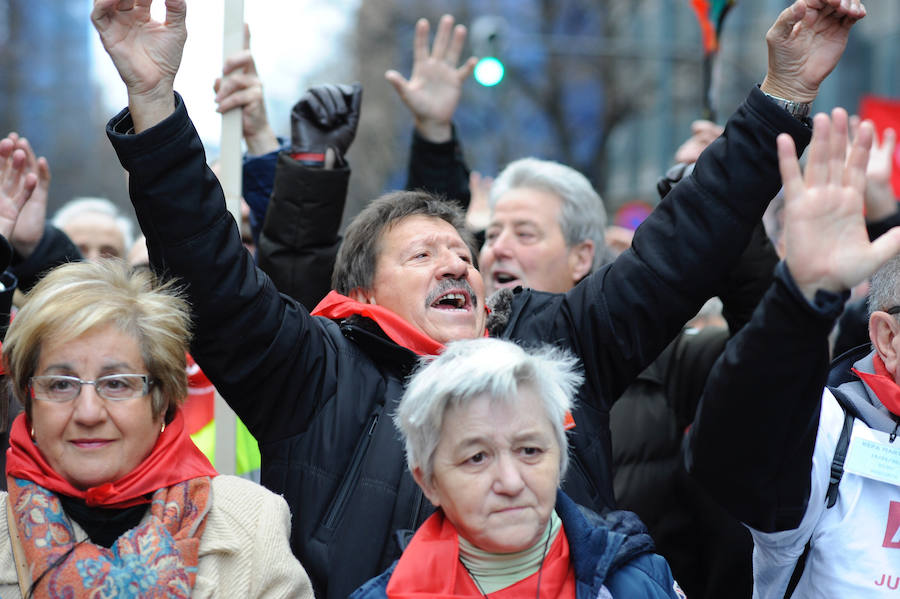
{"x":453,"y":300}
{"x":504,"y":278}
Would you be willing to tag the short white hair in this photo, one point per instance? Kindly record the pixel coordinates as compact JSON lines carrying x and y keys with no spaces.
{"x":88,"y":205}
{"x":471,"y":368}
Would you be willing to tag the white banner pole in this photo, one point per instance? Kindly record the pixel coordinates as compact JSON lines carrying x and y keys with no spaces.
{"x":230,"y":178}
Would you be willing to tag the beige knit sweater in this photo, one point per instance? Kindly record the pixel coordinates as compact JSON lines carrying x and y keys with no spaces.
{"x":244,"y":551}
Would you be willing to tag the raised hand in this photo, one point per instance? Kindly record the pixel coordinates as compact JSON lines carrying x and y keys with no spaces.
{"x":240,"y":87}
{"x":323,"y":119}
{"x":703,"y":133}
{"x":146,"y":53}
{"x":16,"y":184}
{"x":805,"y":43}
{"x":29,"y":227}
{"x":433,"y":90}
{"x":880,"y":200}
{"x":826,"y":243}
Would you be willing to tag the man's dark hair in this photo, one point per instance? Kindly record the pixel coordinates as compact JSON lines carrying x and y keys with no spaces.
{"x":354,"y":267}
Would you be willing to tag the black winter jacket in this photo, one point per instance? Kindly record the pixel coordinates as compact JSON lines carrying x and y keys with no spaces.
{"x":317,"y":394}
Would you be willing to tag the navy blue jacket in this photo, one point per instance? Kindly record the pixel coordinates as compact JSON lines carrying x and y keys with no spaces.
{"x":615,"y":552}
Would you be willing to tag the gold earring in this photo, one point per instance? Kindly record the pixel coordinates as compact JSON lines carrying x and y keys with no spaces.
{"x":162,"y":428}
{"x":32,"y":432}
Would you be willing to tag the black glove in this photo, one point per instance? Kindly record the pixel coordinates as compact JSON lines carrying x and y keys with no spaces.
{"x":325,"y":117}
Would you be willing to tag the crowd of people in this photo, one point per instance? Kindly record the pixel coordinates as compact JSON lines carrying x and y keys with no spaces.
{"x":477,"y":388}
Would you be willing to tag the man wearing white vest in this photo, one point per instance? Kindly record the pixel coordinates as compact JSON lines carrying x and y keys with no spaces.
{"x":766,"y":434}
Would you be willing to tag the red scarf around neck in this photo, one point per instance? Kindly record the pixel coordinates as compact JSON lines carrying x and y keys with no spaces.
{"x":430,"y":567}
{"x":336,"y":306}
{"x":174,"y":459}
{"x":882,"y":384}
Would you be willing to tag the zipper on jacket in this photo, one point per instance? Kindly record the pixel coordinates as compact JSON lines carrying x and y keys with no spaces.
{"x":349,"y":482}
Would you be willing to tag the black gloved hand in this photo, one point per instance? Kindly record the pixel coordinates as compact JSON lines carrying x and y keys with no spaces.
{"x":325,"y":117}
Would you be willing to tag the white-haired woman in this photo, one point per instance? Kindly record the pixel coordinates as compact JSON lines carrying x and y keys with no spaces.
{"x":485,"y":432}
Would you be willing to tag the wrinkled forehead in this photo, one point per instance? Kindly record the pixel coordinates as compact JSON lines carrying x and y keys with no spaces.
{"x":511,"y":414}
{"x":414,"y":229}
{"x":534,"y":205}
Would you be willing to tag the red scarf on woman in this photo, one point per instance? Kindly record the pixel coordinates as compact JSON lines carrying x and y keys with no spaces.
{"x":430,"y":567}
{"x":174,"y":459}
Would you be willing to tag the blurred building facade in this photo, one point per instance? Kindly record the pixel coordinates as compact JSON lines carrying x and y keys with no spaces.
{"x":47,"y":95}
{"x":609,"y":87}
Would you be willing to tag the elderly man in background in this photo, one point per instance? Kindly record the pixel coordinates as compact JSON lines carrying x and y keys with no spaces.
{"x":96,"y":227}
{"x":314,"y":390}
{"x":545,"y":230}
{"x":811,"y":471}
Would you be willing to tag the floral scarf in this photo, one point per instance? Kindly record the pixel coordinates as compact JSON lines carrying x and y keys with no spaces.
{"x":156,"y":559}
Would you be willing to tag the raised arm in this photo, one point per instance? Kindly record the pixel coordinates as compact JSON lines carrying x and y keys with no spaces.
{"x":753,"y":438}
{"x":32,"y":219}
{"x":433,"y":90}
{"x":299,"y":239}
{"x":17,"y":183}
{"x":881,"y":205}
{"x":805,"y":44}
{"x":241,"y":322}
{"x":146,"y":53}
{"x":240,"y":87}
{"x":37,"y":245}
{"x":432,"y":94}
{"x":685,"y":249}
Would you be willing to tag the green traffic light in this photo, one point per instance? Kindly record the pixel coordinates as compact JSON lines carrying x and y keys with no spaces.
{"x":489,"y":71}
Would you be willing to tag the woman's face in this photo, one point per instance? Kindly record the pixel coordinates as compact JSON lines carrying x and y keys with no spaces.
{"x":90,"y":440}
{"x":496,"y":471}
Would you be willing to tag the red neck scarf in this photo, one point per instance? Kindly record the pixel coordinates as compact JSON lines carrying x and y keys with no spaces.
{"x":883,"y":385}
{"x":174,"y":459}
{"x":336,"y":306}
{"x":430,"y":567}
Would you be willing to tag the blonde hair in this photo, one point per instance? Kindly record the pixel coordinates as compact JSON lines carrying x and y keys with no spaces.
{"x":78,"y":297}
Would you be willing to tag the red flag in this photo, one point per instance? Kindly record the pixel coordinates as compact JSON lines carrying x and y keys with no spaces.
{"x":884,"y":112}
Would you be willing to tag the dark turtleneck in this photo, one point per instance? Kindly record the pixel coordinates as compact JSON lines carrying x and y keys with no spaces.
{"x":103,"y":525}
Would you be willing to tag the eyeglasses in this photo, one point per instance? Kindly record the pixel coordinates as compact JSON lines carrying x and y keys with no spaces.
{"x":894,"y":310}
{"x":113,"y":387}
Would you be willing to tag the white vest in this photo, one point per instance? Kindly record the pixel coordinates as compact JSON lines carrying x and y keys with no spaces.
{"x":855,"y":545}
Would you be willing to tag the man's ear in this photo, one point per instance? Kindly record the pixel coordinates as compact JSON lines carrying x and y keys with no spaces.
{"x":581,"y":259}
{"x":427,"y":487}
{"x":363,"y":296}
{"x":883,"y":328}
